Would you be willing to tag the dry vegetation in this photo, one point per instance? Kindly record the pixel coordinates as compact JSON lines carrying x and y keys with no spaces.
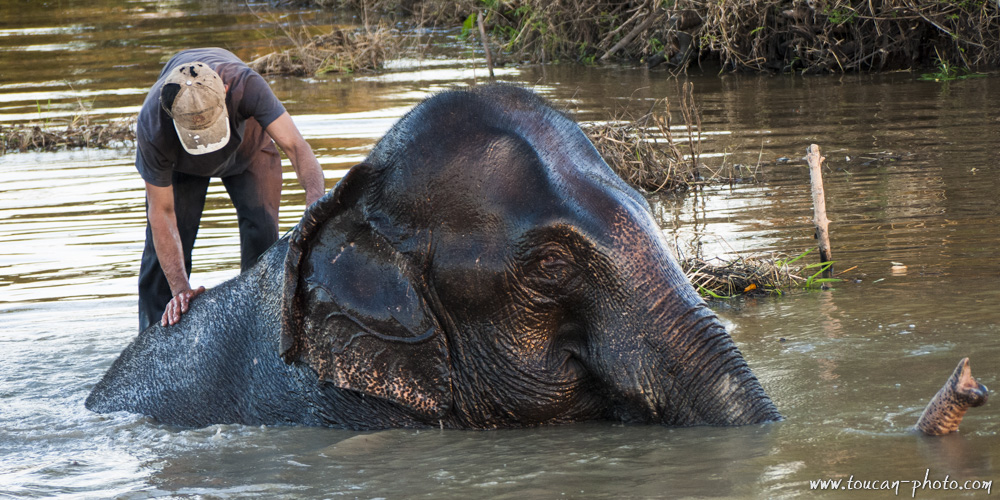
{"x":644,"y":151}
{"x":337,"y":51}
{"x":661,"y":149}
{"x":646,"y":154}
{"x":757,"y":275}
{"x":642,"y":154}
{"x":742,"y":276}
{"x":755,"y":35}
{"x":77,"y":133}
{"x":851,"y":35}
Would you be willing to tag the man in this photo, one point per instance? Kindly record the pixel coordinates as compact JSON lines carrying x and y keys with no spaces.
{"x":209,"y":115}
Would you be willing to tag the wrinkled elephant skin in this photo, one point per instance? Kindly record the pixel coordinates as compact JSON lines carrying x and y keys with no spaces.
{"x":482,"y":268}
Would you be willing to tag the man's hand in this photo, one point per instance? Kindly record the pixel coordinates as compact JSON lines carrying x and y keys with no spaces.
{"x":179,"y":305}
{"x":169,"y":252}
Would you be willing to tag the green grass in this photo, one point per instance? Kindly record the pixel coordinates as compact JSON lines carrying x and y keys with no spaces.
{"x":947,"y":72}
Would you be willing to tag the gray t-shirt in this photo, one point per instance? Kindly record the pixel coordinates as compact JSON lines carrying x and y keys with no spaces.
{"x":159,"y":152}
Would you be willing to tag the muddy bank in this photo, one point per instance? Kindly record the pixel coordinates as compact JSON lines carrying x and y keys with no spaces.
{"x":757,"y":36}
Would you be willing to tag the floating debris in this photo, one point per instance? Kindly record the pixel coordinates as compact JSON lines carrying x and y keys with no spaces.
{"x":645,"y":152}
{"x":642,"y":158}
{"x":338,"y":51}
{"x":756,"y":275}
{"x":77,"y":133}
{"x":743,"y":276}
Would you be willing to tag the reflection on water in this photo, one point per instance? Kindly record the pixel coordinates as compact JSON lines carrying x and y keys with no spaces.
{"x":911,"y":178}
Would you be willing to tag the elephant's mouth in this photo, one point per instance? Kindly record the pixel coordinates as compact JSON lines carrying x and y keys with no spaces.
{"x":572,"y":368}
{"x":572,"y":352}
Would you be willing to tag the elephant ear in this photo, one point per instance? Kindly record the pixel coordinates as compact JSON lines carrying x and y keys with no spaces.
{"x":354,"y":309}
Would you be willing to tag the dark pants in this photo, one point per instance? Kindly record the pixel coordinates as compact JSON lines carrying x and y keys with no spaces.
{"x":255,"y":193}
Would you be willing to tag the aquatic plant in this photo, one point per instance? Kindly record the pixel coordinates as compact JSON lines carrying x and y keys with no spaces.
{"x":947,"y":72}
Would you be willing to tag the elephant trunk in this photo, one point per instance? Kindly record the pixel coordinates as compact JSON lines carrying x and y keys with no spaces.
{"x":688,"y":372}
{"x":727,"y":392}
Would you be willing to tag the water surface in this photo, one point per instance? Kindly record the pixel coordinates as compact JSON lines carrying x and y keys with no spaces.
{"x":850,"y":367}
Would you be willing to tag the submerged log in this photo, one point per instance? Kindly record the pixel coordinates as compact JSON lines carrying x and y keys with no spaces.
{"x":946,"y":409}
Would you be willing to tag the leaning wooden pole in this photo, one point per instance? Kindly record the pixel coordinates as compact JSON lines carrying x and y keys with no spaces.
{"x":486,"y":45}
{"x":819,"y":206}
{"x":643,"y":26}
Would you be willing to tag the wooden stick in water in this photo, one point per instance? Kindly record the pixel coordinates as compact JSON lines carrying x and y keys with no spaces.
{"x":945,"y":411}
{"x":819,"y":206}
{"x":486,"y":45}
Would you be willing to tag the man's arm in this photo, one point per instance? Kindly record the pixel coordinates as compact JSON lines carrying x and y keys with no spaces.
{"x":307,"y":169}
{"x":170,"y":253}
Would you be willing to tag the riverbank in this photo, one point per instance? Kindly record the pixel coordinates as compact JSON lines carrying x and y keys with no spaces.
{"x":771,"y":36}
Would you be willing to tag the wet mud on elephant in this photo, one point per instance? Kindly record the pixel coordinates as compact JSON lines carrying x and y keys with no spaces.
{"x":482,"y":268}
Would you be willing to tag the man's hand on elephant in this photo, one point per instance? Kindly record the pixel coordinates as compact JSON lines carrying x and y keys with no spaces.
{"x":179,"y":305}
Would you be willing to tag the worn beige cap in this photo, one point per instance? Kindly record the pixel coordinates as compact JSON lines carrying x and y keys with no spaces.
{"x":195,"y":97}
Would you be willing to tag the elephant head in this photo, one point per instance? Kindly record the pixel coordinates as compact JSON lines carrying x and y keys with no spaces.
{"x":485,"y":268}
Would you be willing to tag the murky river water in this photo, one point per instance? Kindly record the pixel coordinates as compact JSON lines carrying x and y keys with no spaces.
{"x":850,"y":368}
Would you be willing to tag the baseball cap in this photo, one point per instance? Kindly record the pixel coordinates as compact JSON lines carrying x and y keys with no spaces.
{"x":195,"y":97}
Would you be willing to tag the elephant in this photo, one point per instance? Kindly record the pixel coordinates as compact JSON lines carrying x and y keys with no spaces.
{"x":482,"y":268}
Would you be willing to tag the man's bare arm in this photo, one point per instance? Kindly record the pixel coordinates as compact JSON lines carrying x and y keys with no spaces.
{"x":169,"y":252}
{"x":307,"y":169}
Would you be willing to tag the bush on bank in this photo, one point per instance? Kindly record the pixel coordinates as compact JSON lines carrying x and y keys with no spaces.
{"x":740,"y":35}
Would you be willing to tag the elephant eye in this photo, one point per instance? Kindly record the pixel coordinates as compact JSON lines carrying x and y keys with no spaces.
{"x":551,"y":263}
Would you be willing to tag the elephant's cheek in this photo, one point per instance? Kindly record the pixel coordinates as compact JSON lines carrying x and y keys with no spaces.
{"x":467,"y":288}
